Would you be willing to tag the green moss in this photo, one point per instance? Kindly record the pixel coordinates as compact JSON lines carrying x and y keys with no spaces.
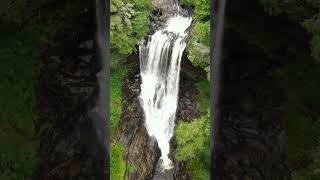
{"x":116,"y":80}
{"x":132,"y":168}
{"x":117,"y":164}
{"x":203,"y":88}
{"x":190,"y":73}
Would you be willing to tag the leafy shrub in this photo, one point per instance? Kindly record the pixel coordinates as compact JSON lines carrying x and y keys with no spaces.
{"x":193,"y":140}
{"x":305,"y":12}
{"x":201,"y":9}
{"x":128,"y":25}
{"x":199,"y":45}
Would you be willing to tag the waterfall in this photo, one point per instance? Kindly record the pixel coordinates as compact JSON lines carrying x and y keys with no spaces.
{"x":160,"y":60}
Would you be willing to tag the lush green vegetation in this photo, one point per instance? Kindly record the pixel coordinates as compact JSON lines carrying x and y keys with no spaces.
{"x":128,"y":25}
{"x":17,"y":79}
{"x":302,"y":120}
{"x":117,"y":164}
{"x":204,"y":95}
{"x":193,"y":139}
{"x":18,"y":74}
{"x":305,"y":12}
{"x":199,"y":45}
{"x":116,"y":98}
{"x":23,"y":31}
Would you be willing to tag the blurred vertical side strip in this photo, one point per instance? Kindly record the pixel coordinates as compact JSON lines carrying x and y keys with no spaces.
{"x":101,"y":111}
{"x":217,"y":27}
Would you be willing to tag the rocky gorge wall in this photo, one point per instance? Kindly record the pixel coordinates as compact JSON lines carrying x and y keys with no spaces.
{"x":141,"y":151}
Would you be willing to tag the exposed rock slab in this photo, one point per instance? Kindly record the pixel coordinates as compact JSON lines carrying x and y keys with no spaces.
{"x":141,"y":151}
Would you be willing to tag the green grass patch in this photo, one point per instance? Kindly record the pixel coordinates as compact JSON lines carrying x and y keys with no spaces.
{"x":117,"y":164}
{"x":116,"y":80}
{"x":193,"y":140}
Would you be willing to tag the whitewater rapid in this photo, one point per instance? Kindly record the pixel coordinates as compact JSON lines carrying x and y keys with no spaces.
{"x":160,"y":60}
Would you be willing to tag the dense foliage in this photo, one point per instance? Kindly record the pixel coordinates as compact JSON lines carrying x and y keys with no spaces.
{"x":26,"y":27}
{"x":193,"y":138}
{"x":18,"y":73}
{"x":128,"y":24}
{"x":199,"y":45}
{"x":193,"y":141}
{"x":117,"y":164}
{"x":17,"y":77}
{"x":302,"y":120}
{"x":115,"y":98}
{"x":305,"y":12}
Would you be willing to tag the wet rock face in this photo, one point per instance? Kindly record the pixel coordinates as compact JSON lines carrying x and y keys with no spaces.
{"x":141,"y":151}
{"x":164,"y":9}
{"x":163,"y":3}
{"x":181,"y":171}
{"x":188,"y":108}
{"x":188,"y":104}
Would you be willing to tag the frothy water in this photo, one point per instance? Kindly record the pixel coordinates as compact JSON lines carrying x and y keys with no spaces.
{"x":160,"y":60}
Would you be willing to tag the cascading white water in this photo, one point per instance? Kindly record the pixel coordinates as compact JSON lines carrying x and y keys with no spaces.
{"x":160,"y":68}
